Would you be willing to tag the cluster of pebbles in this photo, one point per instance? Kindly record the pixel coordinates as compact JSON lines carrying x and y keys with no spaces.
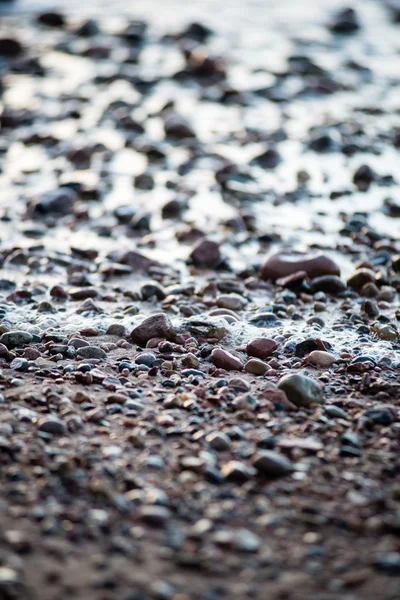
{"x":196,"y":404}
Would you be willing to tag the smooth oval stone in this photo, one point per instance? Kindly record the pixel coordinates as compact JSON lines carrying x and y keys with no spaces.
{"x":206,"y":254}
{"x":360,"y":278}
{"x":52,"y":424}
{"x":256,"y":366}
{"x":91,"y":352}
{"x":335,"y":412}
{"x":11,"y":339}
{"x":156,"y":326}
{"x":231,"y":301}
{"x":145,"y":358}
{"x":225,"y":360}
{"x":272,"y":464}
{"x":301,"y":390}
{"x":330,"y":284}
{"x":261,"y":347}
{"x":283,"y":264}
{"x":321,"y":358}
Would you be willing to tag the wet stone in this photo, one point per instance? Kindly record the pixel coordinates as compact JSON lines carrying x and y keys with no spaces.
{"x":219,"y":441}
{"x":256,"y":366}
{"x":301,"y":390}
{"x":52,"y":424}
{"x":285,"y":264}
{"x":13,"y":339}
{"x":206,"y":254}
{"x":272,"y":464}
{"x":91,"y":352}
{"x":321,"y":358}
{"x":156,"y":326}
{"x":225,"y":360}
{"x":261,"y":347}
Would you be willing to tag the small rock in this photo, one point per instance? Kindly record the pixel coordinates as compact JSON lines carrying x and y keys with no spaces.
{"x":330,"y":284}
{"x":301,"y":390}
{"x":284,"y":264}
{"x":225,"y":360}
{"x":12,"y":339}
{"x":52,"y":424}
{"x":156,"y":326}
{"x":321,"y":358}
{"x":231,"y":301}
{"x":256,"y":366}
{"x":261,"y":347}
{"x":237,"y":471}
{"x":272,"y":464}
{"x":91,"y":352}
{"x":345,"y":22}
{"x":206,"y":254}
{"x":219,"y":441}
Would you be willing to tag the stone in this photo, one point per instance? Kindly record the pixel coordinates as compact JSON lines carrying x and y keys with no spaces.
{"x":235,"y":470}
{"x":345,"y":22}
{"x":301,"y":390}
{"x":190,"y":361}
{"x":219,"y":441}
{"x":91,"y":352}
{"x":178,"y":128}
{"x":335,"y":412}
{"x":321,"y":358}
{"x":363,"y":178}
{"x":57,"y":202}
{"x":146,"y":358}
{"x":272,"y":464}
{"x":261,"y":347}
{"x":52,"y":424}
{"x":155,"y":326}
{"x":231,"y":301}
{"x":284,"y":264}
{"x":12,"y":339}
{"x":225,"y":360}
{"x":256,"y":366}
{"x":360,"y":278}
{"x":206,"y":253}
{"x":330,"y":284}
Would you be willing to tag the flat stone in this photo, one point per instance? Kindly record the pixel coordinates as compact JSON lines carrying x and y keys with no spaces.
{"x":301,"y":390}
{"x":235,"y":470}
{"x":283,"y":264}
{"x":225,"y":360}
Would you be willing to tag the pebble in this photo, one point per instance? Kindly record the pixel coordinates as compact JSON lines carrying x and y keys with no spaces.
{"x":321,"y":358}
{"x":330,"y":284}
{"x":284,"y":264}
{"x":261,"y":347}
{"x":52,"y":424}
{"x":206,"y":253}
{"x":156,"y":326}
{"x":335,"y":412}
{"x":301,"y":390}
{"x":272,"y":464}
{"x":237,"y":471}
{"x":13,"y":339}
{"x":91,"y":352}
{"x":231,"y":301}
{"x":219,"y":441}
{"x":256,"y":366}
{"x":225,"y":360}
{"x":146,"y":358}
